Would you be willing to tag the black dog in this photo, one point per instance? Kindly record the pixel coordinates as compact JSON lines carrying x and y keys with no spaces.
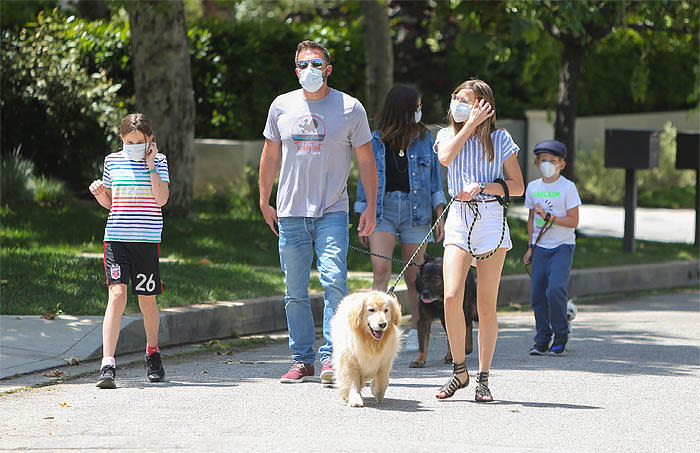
{"x":430,"y":294}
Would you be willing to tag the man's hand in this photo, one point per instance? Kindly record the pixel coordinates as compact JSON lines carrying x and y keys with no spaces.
{"x":97,"y":188}
{"x":368,"y":221}
{"x":270,"y":215}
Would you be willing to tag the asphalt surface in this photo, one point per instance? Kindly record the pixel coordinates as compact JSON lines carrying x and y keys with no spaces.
{"x":630,"y":380}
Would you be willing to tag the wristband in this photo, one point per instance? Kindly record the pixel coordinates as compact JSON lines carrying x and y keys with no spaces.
{"x":547,"y":217}
{"x":151,"y":171}
{"x":531,"y":246}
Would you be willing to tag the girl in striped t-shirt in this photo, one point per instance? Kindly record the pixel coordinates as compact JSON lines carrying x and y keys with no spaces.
{"x":134,"y":187}
{"x":476,"y":154}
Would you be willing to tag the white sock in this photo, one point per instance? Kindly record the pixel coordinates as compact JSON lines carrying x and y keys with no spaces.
{"x":108,"y":361}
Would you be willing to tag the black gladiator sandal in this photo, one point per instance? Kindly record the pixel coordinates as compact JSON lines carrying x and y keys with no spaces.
{"x":454,"y":384}
{"x":483,"y":394}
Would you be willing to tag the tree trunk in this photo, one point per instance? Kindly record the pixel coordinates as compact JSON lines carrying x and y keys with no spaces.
{"x":565,"y":122}
{"x":163,"y":86}
{"x":379,"y":55}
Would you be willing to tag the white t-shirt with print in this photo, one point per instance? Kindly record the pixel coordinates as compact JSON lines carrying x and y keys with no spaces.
{"x":556,"y":198}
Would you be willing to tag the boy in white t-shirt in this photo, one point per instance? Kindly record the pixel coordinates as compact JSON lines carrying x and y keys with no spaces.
{"x":553,"y":202}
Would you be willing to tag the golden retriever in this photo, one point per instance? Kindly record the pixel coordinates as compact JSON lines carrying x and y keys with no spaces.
{"x":365,"y":337}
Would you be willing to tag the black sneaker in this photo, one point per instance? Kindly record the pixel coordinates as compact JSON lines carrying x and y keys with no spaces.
{"x":107,"y":375}
{"x":154,"y":368}
{"x":559,"y":345}
{"x":538,"y":349}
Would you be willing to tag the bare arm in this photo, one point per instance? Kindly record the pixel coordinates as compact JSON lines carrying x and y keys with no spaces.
{"x":270,"y":161}
{"x":102,"y":194}
{"x":513,"y":178}
{"x":570,"y":221}
{"x":527,"y":258}
{"x":448,"y":151}
{"x":368,"y":173}
{"x":159,"y":188}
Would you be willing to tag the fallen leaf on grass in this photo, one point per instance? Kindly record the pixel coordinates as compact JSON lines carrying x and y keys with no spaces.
{"x":49,"y":316}
{"x":65,"y":405}
{"x":205,"y":262}
{"x":55,"y":373}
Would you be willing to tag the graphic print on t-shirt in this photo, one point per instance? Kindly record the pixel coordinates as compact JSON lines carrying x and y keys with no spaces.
{"x":308,"y":133}
{"x":547,"y":205}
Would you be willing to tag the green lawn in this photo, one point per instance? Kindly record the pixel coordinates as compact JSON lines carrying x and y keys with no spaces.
{"x":225,"y":253}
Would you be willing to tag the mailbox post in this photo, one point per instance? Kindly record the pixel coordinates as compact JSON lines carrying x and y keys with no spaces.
{"x":631,"y":149}
{"x":688,"y":158}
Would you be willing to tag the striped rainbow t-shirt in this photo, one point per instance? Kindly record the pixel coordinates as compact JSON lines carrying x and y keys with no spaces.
{"x":135,"y":216}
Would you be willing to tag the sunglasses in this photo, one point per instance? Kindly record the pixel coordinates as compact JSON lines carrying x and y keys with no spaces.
{"x":316,"y":63}
{"x":464,"y":100}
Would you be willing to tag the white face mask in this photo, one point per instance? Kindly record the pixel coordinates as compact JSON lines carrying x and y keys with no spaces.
{"x":136,"y":151}
{"x":311,"y":79}
{"x":418,"y":115}
{"x":548,"y":169}
{"x":460,"y":110}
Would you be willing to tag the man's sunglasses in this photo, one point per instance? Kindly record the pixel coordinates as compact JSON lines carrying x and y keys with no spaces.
{"x":316,"y":63}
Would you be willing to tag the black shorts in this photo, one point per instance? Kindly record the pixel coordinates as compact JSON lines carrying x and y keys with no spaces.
{"x":136,"y":262}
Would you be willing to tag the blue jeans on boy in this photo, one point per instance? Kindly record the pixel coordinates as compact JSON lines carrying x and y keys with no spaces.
{"x":299,"y":237}
{"x":548,"y":296}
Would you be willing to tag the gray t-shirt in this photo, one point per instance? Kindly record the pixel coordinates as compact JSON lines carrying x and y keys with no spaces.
{"x":317,"y":139}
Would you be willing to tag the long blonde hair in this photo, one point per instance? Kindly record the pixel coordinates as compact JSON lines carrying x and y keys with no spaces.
{"x":481,"y":91}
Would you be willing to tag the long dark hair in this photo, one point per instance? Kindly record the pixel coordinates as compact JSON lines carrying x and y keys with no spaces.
{"x":481,"y":91}
{"x":397,"y":124}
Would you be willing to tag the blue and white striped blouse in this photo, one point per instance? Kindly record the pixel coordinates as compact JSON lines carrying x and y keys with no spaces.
{"x":472,"y":164}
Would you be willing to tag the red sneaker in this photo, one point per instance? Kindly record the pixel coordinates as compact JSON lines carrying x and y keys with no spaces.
{"x":299,"y":372}
{"x":327,"y":373}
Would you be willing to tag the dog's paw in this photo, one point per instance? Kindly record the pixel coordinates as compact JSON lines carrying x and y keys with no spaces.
{"x":416,"y":364}
{"x":355,"y":400}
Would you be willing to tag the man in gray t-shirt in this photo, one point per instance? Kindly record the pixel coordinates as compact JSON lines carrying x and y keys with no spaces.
{"x":308,"y":138}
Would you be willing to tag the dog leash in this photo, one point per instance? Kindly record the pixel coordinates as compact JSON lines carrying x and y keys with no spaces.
{"x":425,"y":239}
{"x":474,"y":207}
{"x":548,"y":222}
{"x":388,"y":258}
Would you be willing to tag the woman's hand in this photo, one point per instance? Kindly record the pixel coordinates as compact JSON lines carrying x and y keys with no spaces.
{"x":440,"y":230}
{"x":469,"y":192}
{"x":480,"y":112}
{"x":364,"y":240}
{"x":527,"y":259}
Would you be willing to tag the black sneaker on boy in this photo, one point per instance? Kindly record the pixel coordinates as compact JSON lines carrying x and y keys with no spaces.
{"x":154,"y":368}
{"x":107,"y":375}
{"x":559,"y":345}
{"x":539,"y":349}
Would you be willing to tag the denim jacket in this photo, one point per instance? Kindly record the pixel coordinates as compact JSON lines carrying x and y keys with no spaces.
{"x":424,"y":176}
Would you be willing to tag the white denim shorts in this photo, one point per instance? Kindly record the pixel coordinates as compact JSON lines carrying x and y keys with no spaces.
{"x":487,"y":230}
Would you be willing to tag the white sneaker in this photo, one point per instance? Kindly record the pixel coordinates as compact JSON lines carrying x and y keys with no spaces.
{"x":411,"y":344}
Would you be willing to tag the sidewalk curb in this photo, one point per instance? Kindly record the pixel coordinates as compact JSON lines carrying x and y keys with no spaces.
{"x":253,"y":316}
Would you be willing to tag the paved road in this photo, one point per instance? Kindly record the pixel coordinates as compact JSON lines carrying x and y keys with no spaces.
{"x":651,"y":224}
{"x":630,"y":380}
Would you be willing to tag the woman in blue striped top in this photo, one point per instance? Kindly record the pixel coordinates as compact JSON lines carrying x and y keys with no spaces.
{"x":476,"y":155}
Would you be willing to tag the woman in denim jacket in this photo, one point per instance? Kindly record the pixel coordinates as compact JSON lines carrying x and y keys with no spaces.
{"x":409,"y":188}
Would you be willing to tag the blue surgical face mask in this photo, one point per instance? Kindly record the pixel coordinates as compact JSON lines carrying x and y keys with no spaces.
{"x":311,"y":79}
{"x":136,"y":151}
{"x":460,"y":110}
{"x":418,"y":115}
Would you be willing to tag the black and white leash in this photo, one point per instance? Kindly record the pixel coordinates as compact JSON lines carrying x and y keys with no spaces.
{"x":425,"y":239}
